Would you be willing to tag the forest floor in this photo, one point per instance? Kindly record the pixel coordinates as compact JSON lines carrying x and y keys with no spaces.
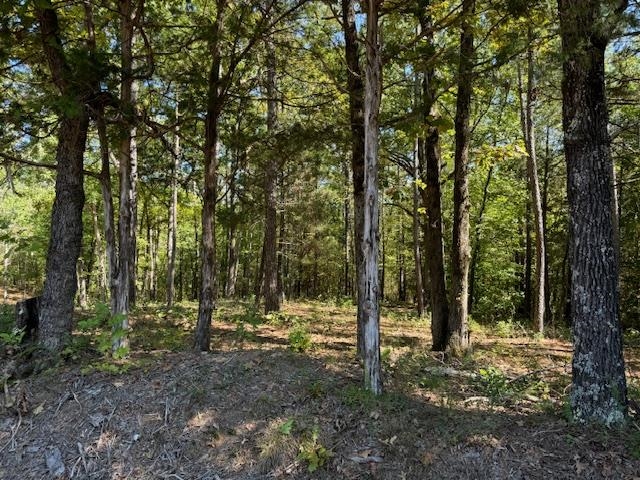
{"x":280,"y":397}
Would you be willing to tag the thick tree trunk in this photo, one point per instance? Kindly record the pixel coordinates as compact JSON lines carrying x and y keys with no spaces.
{"x":207,"y":298}
{"x":355,"y":83}
{"x":429,"y":160}
{"x":65,"y":241}
{"x":599,"y":386}
{"x":459,"y":339}
{"x":271,"y":297}
{"x":369,"y":246}
{"x":173,"y":214}
{"x":528,"y":130}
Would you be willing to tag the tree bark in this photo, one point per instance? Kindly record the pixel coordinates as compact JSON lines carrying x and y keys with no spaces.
{"x":528,"y":131}
{"x":369,"y":246}
{"x":173,"y":213}
{"x":271,"y":297}
{"x":355,"y":84}
{"x":415,"y":232}
{"x":430,"y":161}
{"x":459,"y":339}
{"x":127,"y":159}
{"x":475,"y":253}
{"x":215,"y":101}
{"x":65,"y":241}
{"x":599,"y":386}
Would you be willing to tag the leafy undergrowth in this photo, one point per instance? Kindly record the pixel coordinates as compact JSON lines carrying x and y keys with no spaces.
{"x":280,"y":396}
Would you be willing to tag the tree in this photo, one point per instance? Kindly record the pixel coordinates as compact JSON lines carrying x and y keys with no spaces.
{"x":355,"y":85}
{"x":56,"y":307}
{"x":527,"y":105}
{"x":270,"y":250}
{"x":370,"y":236}
{"x":430,"y":160}
{"x":599,"y":386}
{"x":459,"y":339}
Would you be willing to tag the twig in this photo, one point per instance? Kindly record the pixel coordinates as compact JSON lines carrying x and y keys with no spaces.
{"x":14,"y":431}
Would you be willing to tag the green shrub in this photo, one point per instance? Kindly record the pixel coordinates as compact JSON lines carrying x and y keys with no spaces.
{"x":300,"y":338}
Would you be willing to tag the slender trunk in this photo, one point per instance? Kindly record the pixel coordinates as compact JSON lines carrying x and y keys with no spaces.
{"x":545,"y":196}
{"x":415,"y":231}
{"x":459,"y":339}
{"x":202,"y":340}
{"x":382,"y":246}
{"x":65,"y":241}
{"x":528,"y":130}
{"x":271,"y":297}
{"x":355,"y":83}
{"x":526,"y":304}
{"x":599,"y":392}
{"x":475,"y":251}
{"x":281,"y":242}
{"x":369,"y":246}
{"x":126,"y":217}
{"x":346,"y":209}
{"x":102,"y":267}
{"x":108,"y":210}
{"x":402,"y":287}
{"x":173,"y":214}
{"x":232,"y":240}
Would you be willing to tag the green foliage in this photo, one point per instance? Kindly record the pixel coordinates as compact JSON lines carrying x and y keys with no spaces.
{"x":106,"y":329}
{"x":300,"y":338}
{"x":12,"y":338}
{"x":494,"y":383}
{"x":286,"y":427}
{"x":313,"y":452}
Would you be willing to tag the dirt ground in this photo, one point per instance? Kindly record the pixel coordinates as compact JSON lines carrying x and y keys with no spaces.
{"x":255,"y":408}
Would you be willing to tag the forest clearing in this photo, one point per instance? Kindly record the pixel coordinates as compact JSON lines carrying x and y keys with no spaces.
{"x":281,"y":397}
{"x":319,"y":239}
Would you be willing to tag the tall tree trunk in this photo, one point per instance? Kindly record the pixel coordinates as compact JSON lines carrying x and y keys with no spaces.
{"x":528,"y":131}
{"x":102,"y":267}
{"x":415,"y":232}
{"x":355,"y":83}
{"x":599,"y":386}
{"x":369,"y":246}
{"x":459,"y":339}
{"x":475,"y":251}
{"x":173,"y":213}
{"x":430,"y":161}
{"x":128,"y":158}
{"x":346,"y":210}
{"x":271,"y":297}
{"x":108,"y":210}
{"x":545,"y":196}
{"x":215,"y":100}
{"x":232,"y":243}
{"x":65,"y":241}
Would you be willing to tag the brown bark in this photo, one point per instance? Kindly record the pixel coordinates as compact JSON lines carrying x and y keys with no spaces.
{"x":56,"y":308}
{"x":271,"y":297}
{"x":475,"y":253}
{"x":528,"y":129}
{"x":459,"y":339}
{"x":127,"y":168}
{"x":215,"y":102}
{"x":370,"y":238}
{"x":430,"y":164}
{"x":173,"y":213}
{"x":599,"y":390}
{"x":355,"y":84}
{"x":415,"y":233}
